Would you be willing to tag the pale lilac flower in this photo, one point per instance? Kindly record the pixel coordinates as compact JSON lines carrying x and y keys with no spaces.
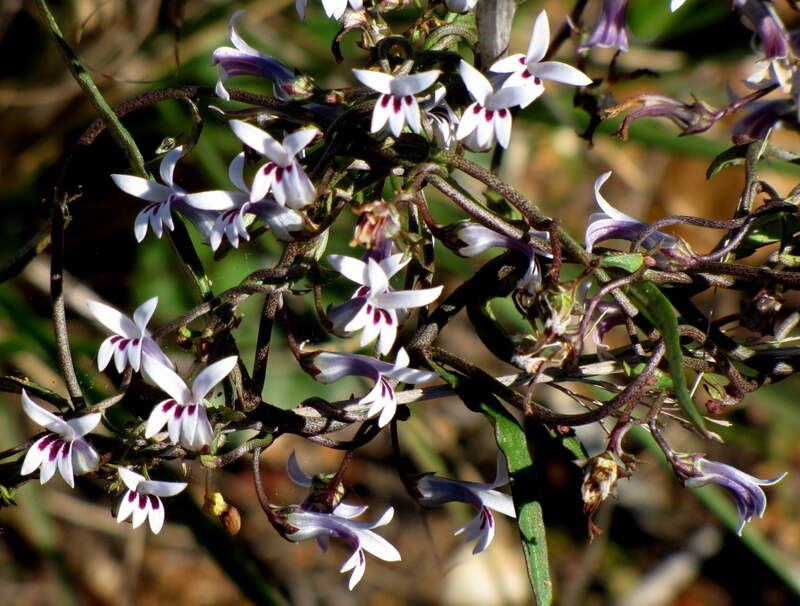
{"x":163,"y":199}
{"x":479,"y":238}
{"x":143,"y":499}
{"x":333,"y":8}
{"x":375,"y":304}
{"x":130,"y":340}
{"x":611,"y":30}
{"x":762,"y":18}
{"x":437,"y":491}
{"x":441,"y":116}
{"x":488,"y":117}
{"x":527,"y":71}
{"x":310,"y":520}
{"x":185,"y":412}
{"x":64,"y":449}
{"x":381,"y":398}
{"x":283,"y":174}
{"x":235,"y":205}
{"x":612,"y":223}
{"x":244,"y":60}
{"x":745,"y":489}
{"x":397,"y":104}
{"x":764,"y":117}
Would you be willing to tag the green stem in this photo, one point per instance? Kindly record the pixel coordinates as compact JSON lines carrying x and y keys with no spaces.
{"x":84,"y":80}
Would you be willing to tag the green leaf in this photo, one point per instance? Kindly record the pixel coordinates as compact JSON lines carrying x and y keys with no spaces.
{"x":730,"y":157}
{"x":655,"y":306}
{"x":630,"y":262}
{"x":513,"y":443}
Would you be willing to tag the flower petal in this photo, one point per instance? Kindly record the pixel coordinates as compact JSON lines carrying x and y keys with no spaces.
{"x":406,"y":299}
{"x":161,"y":489}
{"x":155,"y":516}
{"x":351,"y":268}
{"x":167,"y":167}
{"x":80,"y":426}
{"x":130,"y":478}
{"x":166,"y":379}
{"x":216,"y":199}
{"x":44,"y":417}
{"x":510,"y":64}
{"x":143,"y":313}
{"x":126,"y":506}
{"x":84,"y":457}
{"x":540,"y":39}
{"x":476,"y":83}
{"x":112,"y":319}
{"x":375,"y":80}
{"x":210,"y":376}
{"x":142,"y":188}
{"x":296,"y":473}
{"x":560,"y":72}
{"x":299,"y":140}
{"x":414,"y":83}
{"x":259,"y":140}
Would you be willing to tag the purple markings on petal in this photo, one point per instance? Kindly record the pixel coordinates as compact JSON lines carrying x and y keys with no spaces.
{"x":131,"y":496}
{"x":155,"y":502}
{"x":142,"y":501}
{"x":46,"y":441}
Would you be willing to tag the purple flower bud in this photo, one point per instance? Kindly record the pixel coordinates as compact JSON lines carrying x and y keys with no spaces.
{"x":610,"y":31}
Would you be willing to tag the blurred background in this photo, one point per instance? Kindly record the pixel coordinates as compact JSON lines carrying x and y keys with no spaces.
{"x":660,"y":545}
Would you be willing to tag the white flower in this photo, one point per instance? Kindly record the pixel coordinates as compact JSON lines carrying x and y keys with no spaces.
{"x":64,"y":449}
{"x":528,"y":71}
{"x":382,"y":398}
{"x":436,"y":491}
{"x":675,"y":5}
{"x":142,"y":499}
{"x":130,"y":340}
{"x":235,"y":205}
{"x":185,"y":412}
{"x":489,"y":116}
{"x":375,"y":304}
{"x":397,"y":104}
{"x":283,"y":174}
{"x":163,"y":199}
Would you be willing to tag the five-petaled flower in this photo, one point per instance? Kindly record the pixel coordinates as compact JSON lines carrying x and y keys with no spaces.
{"x":612,"y":223}
{"x":63,"y":449}
{"x":234,"y":205}
{"x":397,"y":104}
{"x":308,"y":521}
{"x":163,"y":199}
{"x":489,"y":116}
{"x":375,"y":306}
{"x":479,"y":238}
{"x":143,"y":499}
{"x":185,"y":412}
{"x":436,"y":491}
{"x":381,"y":398}
{"x":527,"y":71}
{"x":244,"y":60}
{"x":745,"y":489}
{"x":130,"y":340}
{"x":283,"y":174}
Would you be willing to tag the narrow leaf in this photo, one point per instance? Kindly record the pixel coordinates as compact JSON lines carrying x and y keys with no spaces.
{"x":655,"y":306}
